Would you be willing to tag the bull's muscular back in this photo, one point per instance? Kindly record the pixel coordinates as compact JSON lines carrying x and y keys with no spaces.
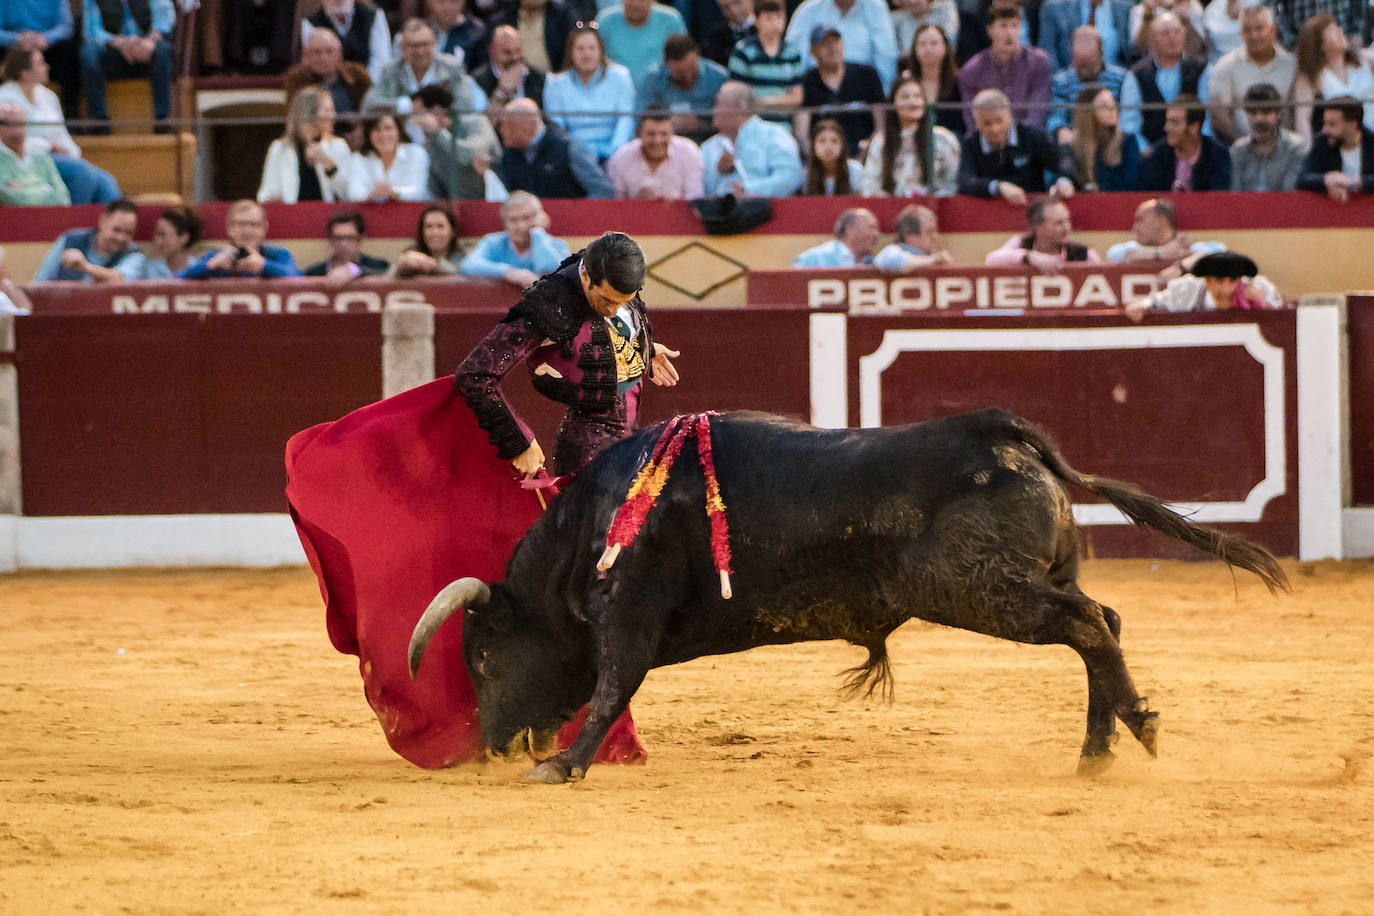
{"x":835,"y":534}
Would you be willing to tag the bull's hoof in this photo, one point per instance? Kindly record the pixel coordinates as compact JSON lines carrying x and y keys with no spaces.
{"x":1095,"y":764}
{"x":550,"y":772}
{"x":1148,"y":733}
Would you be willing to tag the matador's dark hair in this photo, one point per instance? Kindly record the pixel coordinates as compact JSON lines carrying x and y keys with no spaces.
{"x":617,"y":259}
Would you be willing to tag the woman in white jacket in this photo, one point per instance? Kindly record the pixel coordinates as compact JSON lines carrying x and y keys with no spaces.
{"x":388,"y":166}
{"x":308,"y":162}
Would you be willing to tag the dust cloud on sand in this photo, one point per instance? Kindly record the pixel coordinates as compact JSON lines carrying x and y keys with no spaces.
{"x":188,"y":742}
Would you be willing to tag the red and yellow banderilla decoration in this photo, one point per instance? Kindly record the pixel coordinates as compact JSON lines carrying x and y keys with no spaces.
{"x":649,"y":483}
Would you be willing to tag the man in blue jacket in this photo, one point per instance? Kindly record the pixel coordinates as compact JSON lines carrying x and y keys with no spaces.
{"x":246,"y":254}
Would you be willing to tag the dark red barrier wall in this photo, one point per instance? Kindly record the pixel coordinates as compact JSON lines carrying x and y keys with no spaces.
{"x":1361,"y":331}
{"x":133,"y":414}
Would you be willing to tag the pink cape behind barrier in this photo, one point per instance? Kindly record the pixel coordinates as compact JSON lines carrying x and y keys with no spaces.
{"x":392,"y":502}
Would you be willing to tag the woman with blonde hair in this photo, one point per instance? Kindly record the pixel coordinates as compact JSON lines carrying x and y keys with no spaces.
{"x":307,"y":162}
{"x":594,"y":98}
{"x":1328,"y":67}
{"x":1105,"y":157}
{"x":906,"y":141}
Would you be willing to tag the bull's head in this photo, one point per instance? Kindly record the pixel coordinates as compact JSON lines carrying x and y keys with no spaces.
{"x":527,"y":682}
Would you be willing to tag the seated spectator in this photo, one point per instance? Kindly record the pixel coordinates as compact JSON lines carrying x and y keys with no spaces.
{"x":543,"y":25}
{"x":911,"y":15}
{"x":346,"y":261}
{"x":13,"y":299}
{"x":633,"y":33}
{"x":899,"y":151}
{"x":1226,"y":280}
{"x":1060,"y":21}
{"x":1270,"y":157}
{"x":419,"y":66}
{"x":685,"y":85}
{"x":1186,"y":159}
{"x":1046,"y":247}
{"x":1341,"y":161}
{"x":1162,"y":76}
{"x":460,"y":157}
{"x":1156,"y":238}
{"x":125,"y":39}
{"x":545,"y":161}
{"x":1086,"y":68}
{"x":460,"y":34}
{"x":307,"y":162}
{"x":916,"y":247}
{"x":1293,"y":17}
{"x":767,"y":64}
{"x":1221,"y":21}
{"x":865,"y":26}
{"x":1008,"y":160}
{"x":436,"y":252}
{"x":388,"y":167}
{"x":1258,"y":60}
{"x":26,"y":75}
{"x":27,"y":177}
{"x":748,"y":156}
{"x":178,"y":228}
{"x":105,"y":254}
{"x":246,"y":253}
{"x":840,"y":89}
{"x":506,"y":76}
{"x":658,"y":164}
{"x":594,"y":99}
{"x":1328,"y":67}
{"x":322,"y":64}
{"x":1190,"y":15}
{"x":829,"y":170}
{"x":1105,"y":158}
{"x":856,"y":238}
{"x":361,"y":29}
{"x":736,"y":25}
{"x":47,"y":26}
{"x":1021,"y":73}
{"x":523,"y":252}
{"x":931,"y":61}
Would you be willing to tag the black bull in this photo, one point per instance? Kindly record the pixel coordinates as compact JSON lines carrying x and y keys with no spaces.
{"x":836,"y":534}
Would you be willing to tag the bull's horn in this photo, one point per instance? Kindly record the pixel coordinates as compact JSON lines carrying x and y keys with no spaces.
{"x":454,"y":595}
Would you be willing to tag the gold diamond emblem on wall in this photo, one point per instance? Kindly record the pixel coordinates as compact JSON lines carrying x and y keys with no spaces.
{"x":696,"y":270}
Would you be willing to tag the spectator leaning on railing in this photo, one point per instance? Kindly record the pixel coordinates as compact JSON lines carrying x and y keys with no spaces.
{"x":105,"y":254}
{"x":246,"y":254}
{"x":1341,"y":162}
{"x":436,"y":251}
{"x":1009,"y":160}
{"x":524,"y":251}
{"x":1155,"y":237}
{"x":1046,"y":247}
{"x":346,"y":262}
{"x":856,"y":238}
{"x":917,"y":247}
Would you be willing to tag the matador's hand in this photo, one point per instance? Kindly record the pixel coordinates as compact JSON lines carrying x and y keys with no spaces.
{"x":665,"y":373}
{"x":530,"y":460}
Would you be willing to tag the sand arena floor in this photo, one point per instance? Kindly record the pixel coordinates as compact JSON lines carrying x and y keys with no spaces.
{"x":188,"y":742}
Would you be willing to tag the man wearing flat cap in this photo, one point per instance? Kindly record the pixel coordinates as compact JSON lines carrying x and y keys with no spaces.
{"x":1224,"y":280}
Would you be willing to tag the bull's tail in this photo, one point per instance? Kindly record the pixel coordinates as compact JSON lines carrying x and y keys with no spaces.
{"x":1150,"y":512}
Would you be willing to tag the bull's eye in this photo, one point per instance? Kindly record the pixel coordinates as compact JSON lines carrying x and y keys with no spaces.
{"x":482,"y":662}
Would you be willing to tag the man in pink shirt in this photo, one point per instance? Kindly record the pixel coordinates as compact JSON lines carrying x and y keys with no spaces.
{"x":658,"y":163}
{"x":1046,"y":247}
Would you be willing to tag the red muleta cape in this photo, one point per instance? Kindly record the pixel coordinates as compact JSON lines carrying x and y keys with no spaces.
{"x":393,"y":502}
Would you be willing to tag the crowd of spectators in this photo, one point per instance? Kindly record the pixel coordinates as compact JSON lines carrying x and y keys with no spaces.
{"x":991,"y":98}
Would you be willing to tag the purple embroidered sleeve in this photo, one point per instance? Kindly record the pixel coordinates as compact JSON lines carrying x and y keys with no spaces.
{"x":478,"y":380}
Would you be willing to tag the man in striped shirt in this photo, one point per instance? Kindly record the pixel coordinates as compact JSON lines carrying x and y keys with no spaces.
{"x":768,"y":64}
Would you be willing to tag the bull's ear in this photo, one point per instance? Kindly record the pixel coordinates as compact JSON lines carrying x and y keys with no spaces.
{"x":495,"y":613}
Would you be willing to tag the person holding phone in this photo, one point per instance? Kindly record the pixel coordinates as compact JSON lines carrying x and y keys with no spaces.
{"x":246,"y":253}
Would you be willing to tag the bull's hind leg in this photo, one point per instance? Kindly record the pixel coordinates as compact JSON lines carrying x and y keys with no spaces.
{"x":1091,"y":630}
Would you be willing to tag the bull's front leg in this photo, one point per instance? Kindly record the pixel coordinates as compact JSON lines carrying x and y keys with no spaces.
{"x":624,"y":655}
{"x":614,"y":687}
